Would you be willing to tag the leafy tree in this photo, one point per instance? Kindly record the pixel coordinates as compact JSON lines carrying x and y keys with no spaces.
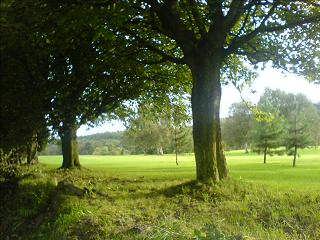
{"x":89,"y":68}
{"x":146,"y":132}
{"x":180,"y":136}
{"x":315,"y":128}
{"x":301,"y":116}
{"x":24,"y":87}
{"x":51,"y":149}
{"x":86,"y":148}
{"x":91,"y":78}
{"x":204,"y":35}
{"x":160,"y":122}
{"x":266,"y":136}
{"x":237,"y":127}
{"x":267,"y":133}
{"x":176,"y":111}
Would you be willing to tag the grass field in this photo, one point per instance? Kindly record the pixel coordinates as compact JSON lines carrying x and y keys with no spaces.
{"x":278,"y":172}
{"x":149,"y":197}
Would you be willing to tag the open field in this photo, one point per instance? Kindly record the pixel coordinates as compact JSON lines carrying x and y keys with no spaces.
{"x":149,"y":197}
{"x":278,"y":171}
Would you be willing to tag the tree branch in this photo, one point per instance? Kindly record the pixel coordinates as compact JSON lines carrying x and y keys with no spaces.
{"x":247,"y":17}
{"x":235,"y":11}
{"x":165,"y":56}
{"x":268,"y":29}
{"x":171,"y":23}
{"x":197,"y":17}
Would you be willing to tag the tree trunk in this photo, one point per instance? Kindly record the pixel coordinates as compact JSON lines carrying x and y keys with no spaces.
{"x":176,"y":146}
{"x":265,"y":155}
{"x":295,"y":156}
{"x":32,"y":157}
{"x":69,"y":146}
{"x":206,"y":94}
{"x":246,"y":148}
{"x":160,"y":151}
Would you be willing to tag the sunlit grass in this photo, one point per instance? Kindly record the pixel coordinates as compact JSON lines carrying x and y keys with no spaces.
{"x":278,"y":172}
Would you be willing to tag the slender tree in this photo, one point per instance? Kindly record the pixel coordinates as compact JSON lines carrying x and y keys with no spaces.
{"x":177,"y":112}
{"x":266,"y":136}
{"x":268,"y":132}
{"x":301,"y":116}
{"x":147,"y":132}
{"x":315,"y":128}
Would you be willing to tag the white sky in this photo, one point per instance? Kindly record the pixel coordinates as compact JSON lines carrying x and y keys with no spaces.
{"x":269,"y":77}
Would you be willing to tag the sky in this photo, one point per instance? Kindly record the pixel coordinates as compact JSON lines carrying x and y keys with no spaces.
{"x":269,"y":77}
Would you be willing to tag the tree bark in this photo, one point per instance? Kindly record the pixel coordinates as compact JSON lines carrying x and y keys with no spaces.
{"x":211,"y":164}
{"x":69,"y":146}
{"x":246,"y":148}
{"x":176,"y":146}
{"x":295,"y":156}
{"x":160,"y":150}
{"x":265,"y":155}
{"x":32,"y":157}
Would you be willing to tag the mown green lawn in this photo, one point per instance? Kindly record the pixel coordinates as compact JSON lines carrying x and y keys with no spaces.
{"x":277,"y":173}
{"x":150,"y":197}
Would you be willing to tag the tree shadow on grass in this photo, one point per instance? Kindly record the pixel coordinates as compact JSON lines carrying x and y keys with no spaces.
{"x":26,"y":206}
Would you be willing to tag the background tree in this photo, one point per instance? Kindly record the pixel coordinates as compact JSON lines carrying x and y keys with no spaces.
{"x":268,"y":132}
{"x":296,"y":116}
{"x":146,"y":133}
{"x":160,"y":120}
{"x":266,"y":136}
{"x":315,"y":128}
{"x":237,"y":127}
{"x":177,"y":112}
{"x":301,"y":116}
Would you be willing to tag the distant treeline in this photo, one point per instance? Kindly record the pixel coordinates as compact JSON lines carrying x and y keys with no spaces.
{"x":119,"y":143}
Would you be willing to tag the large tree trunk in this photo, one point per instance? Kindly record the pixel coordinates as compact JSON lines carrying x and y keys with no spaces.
{"x":295,"y":156}
{"x":265,"y":155}
{"x":211,"y":164}
{"x":69,"y":146}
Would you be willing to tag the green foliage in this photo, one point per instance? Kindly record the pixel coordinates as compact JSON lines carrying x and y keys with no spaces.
{"x":297,"y":118}
{"x":24,"y":85}
{"x":72,"y":67}
{"x":159,"y":124}
{"x":237,"y":127}
{"x":315,"y":132}
{"x":301,"y":117}
{"x":8,"y":172}
{"x":267,"y":135}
